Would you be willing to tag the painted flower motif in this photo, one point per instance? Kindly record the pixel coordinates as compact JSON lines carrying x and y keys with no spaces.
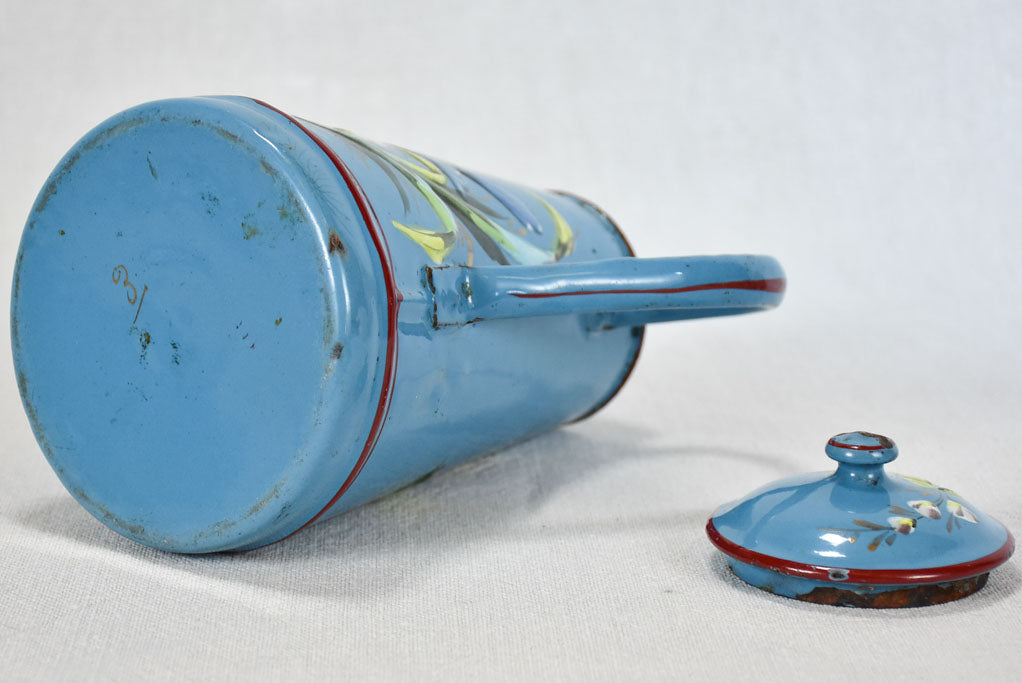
{"x":464,"y":208}
{"x":927,"y":484}
{"x":919,"y":481}
{"x":961,"y":512}
{"x":926,"y":508}
{"x":904,"y":520}
{"x":903,"y":525}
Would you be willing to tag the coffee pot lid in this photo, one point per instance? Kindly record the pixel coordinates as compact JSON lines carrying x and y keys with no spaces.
{"x":860,"y":536}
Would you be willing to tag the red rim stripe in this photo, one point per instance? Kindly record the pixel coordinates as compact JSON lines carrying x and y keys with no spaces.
{"x":853,"y":447}
{"x":770,"y":285}
{"x":876,"y":577}
{"x":393,"y":302}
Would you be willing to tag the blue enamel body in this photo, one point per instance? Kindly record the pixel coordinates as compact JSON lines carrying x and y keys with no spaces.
{"x":228,"y":323}
{"x":858,"y":528}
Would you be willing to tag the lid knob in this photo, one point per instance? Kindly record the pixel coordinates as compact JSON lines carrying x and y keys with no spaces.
{"x":862,"y":448}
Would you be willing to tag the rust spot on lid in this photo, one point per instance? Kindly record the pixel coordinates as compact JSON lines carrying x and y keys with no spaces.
{"x":881,"y":439}
{"x":916,"y":596}
{"x":337,"y":351}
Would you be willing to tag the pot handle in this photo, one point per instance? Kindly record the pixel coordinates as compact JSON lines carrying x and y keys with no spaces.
{"x":619,"y":292}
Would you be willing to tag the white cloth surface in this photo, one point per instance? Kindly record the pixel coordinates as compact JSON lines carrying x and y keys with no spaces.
{"x":873,"y":147}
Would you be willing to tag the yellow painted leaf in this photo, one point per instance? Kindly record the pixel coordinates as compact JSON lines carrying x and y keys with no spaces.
{"x":564,"y":237}
{"x":436,"y":244}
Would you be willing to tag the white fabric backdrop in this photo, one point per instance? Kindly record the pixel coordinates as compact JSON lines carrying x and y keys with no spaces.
{"x":873,"y":147}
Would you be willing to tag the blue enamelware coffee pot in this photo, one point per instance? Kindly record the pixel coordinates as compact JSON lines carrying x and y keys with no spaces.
{"x":228,"y":323}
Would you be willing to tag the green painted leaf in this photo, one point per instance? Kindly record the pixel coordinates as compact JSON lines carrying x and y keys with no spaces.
{"x":379,"y":158}
{"x":427,"y":170}
{"x":564,"y":237}
{"x":455,"y":207}
{"x":522,"y":251}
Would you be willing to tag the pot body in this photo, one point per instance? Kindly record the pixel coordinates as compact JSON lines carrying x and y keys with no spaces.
{"x":228,"y":323}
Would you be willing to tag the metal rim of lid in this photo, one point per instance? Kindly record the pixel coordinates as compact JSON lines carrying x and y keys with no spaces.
{"x":846,"y":575}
